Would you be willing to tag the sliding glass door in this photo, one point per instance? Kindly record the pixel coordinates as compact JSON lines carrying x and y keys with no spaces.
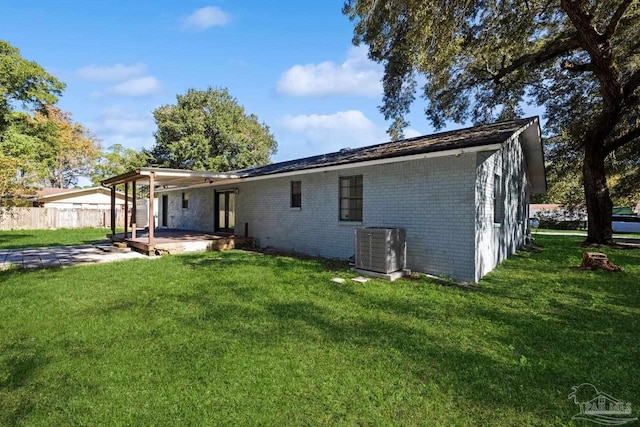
{"x":225,"y":220}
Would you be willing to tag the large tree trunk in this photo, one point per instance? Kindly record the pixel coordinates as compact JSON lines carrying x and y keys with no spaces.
{"x":601,"y":61}
{"x":596,"y":191}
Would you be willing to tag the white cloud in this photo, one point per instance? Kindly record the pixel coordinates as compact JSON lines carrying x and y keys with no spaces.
{"x":118,"y":120}
{"x":143,"y":86}
{"x":121,"y":125}
{"x":412,"y":133}
{"x":357,"y":75}
{"x":116,"y":72}
{"x":309,"y":135}
{"x":352,"y":119}
{"x":317,"y":133}
{"x":205,"y":18}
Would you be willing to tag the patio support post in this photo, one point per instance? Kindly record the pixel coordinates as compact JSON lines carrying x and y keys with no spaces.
{"x":126,"y":210}
{"x":152,"y":222}
{"x":133,"y":212}
{"x":113,"y":212}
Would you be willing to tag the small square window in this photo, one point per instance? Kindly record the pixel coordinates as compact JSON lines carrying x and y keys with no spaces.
{"x":296,"y":194}
{"x":185,"y":200}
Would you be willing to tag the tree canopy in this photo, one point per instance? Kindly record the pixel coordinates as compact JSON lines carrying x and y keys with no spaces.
{"x":482,"y":60}
{"x":24,"y":82}
{"x":68,"y":148}
{"x":51,"y":149}
{"x":209,"y":130}
{"x":117,"y":160}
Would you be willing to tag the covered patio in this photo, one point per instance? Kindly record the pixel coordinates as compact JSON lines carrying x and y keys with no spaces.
{"x":168,"y":241}
{"x":152,"y":240}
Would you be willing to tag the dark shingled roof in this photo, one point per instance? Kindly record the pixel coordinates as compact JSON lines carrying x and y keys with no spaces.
{"x":476,"y":136}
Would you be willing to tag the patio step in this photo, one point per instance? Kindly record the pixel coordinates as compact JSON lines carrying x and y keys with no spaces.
{"x":113,"y":248}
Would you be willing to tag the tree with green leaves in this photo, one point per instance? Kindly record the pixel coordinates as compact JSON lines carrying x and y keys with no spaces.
{"x":68,"y":149}
{"x":209,"y":130}
{"x":117,"y":160}
{"x":51,"y":149}
{"x":25,"y":83}
{"x":22,"y":148}
{"x":481,"y":60}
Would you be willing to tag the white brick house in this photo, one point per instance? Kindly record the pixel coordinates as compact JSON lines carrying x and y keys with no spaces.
{"x":461,"y":196}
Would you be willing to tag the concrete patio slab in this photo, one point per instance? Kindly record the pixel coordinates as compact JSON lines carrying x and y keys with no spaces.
{"x":61,"y":256}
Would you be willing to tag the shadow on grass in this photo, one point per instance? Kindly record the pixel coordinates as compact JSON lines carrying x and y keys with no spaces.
{"x":516,"y":345}
{"x":5,"y":238}
{"x":20,"y":239}
{"x":19,"y":363}
{"x":17,"y":271}
{"x":239,"y":259}
{"x":476,"y":378}
{"x":48,"y":244}
{"x":557,"y":335}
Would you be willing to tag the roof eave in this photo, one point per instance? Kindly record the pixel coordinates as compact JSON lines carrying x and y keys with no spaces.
{"x":398,"y":159}
{"x":176,"y":174}
{"x":72,"y":193}
{"x":120,"y":179}
{"x":534,"y":152}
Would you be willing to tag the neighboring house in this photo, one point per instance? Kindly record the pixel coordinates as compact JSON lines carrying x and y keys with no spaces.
{"x":536,"y":208}
{"x":461,"y":196}
{"x":76,"y":198}
{"x":53,"y":208}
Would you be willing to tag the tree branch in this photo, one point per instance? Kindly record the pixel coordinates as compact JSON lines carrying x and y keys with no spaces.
{"x":563,"y":44}
{"x":631,"y":85}
{"x":576,"y":68}
{"x":615,"y":19}
{"x":600,"y":54}
{"x":623,"y":140}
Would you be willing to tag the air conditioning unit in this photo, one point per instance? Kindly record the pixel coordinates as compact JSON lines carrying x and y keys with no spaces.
{"x":382,"y":250}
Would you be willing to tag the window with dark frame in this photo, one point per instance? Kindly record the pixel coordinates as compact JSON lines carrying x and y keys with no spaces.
{"x":185,"y":200}
{"x":498,"y":202}
{"x":351,"y":198}
{"x":521,"y":201}
{"x":296,"y":194}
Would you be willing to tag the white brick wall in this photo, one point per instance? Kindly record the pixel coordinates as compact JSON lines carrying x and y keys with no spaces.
{"x":198,"y":216}
{"x":445,"y":204}
{"x":495,"y":242}
{"x":433,"y":200}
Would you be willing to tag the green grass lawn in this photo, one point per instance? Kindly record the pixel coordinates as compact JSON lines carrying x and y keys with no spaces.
{"x":534,"y":231}
{"x":239,"y":338}
{"x":61,"y":237}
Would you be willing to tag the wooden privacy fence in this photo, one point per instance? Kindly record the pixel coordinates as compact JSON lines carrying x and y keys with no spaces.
{"x":47,"y":218}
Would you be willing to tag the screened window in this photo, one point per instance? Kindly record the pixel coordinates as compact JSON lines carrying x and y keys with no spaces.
{"x":296,"y":194}
{"x":185,"y":200}
{"x":351,"y":198}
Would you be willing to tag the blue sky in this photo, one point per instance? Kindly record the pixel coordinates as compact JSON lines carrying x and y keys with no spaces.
{"x":290,"y":63}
